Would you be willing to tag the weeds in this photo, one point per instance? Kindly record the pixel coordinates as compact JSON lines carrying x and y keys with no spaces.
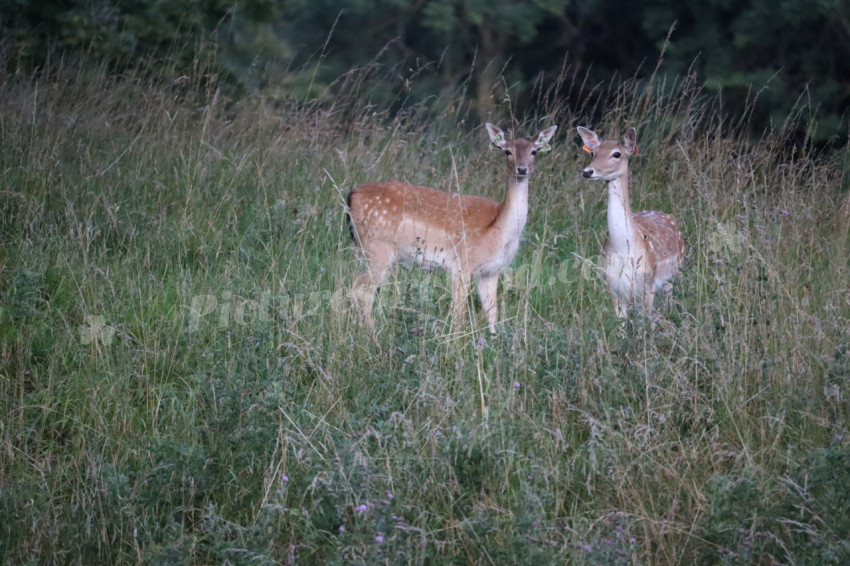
{"x":182,"y":379}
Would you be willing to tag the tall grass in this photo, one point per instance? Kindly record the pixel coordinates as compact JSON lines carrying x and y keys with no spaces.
{"x":183,"y":380}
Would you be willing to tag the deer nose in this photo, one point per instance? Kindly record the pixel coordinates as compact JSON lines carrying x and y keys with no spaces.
{"x":522,"y":171}
{"x":588,"y":173}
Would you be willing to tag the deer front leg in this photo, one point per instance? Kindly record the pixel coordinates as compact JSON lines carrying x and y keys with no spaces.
{"x":648,"y":299}
{"x":460,"y":292}
{"x":621,"y":305}
{"x":487,"y":286}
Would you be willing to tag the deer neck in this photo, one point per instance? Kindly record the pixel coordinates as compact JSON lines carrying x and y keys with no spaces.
{"x":513,"y":212}
{"x":621,"y":232}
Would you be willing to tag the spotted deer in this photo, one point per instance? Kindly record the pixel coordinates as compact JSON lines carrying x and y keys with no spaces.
{"x":644,"y":249}
{"x":471,"y":237}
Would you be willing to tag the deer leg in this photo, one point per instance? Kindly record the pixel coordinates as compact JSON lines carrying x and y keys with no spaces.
{"x":621,"y":305}
{"x":487,"y":286}
{"x":460,"y":292}
{"x":363,"y":293}
{"x":364,"y":287}
{"x":649,"y":298}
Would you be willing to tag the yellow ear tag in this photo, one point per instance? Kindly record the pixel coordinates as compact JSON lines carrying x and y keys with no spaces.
{"x":587,"y":149}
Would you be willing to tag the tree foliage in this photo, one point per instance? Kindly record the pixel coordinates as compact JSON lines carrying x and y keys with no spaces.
{"x":771,"y":58}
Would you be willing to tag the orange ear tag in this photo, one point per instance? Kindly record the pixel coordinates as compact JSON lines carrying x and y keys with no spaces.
{"x":587,"y":149}
{"x":636,"y":150}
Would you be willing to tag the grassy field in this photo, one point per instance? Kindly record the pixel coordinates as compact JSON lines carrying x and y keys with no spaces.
{"x":183,"y":381}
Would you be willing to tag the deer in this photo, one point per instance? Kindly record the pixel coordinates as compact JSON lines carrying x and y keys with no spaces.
{"x":643,"y":250}
{"x":471,"y":237}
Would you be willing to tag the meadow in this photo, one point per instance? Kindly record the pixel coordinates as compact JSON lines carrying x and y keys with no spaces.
{"x":183,"y":379}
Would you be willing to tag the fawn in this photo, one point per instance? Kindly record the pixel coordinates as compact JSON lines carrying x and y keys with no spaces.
{"x":644,"y":249}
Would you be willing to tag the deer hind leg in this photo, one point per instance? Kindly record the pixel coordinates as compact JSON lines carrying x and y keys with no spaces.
{"x":366,"y":285}
{"x":487,"y":287}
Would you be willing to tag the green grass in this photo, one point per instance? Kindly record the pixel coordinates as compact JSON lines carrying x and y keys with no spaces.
{"x":183,"y":380}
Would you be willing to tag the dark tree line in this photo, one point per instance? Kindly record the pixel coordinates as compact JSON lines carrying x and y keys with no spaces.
{"x":786,"y":51}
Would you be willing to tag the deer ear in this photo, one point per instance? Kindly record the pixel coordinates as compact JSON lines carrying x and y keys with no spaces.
{"x":544,"y":137}
{"x":630,"y":141}
{"x":497,"y":136}
{"x":590,"y":139}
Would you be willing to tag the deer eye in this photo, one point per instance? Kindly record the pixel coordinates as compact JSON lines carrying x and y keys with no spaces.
{"x":508,"y":152}
{"x":616,"y":155}
{"x":534,"y":152}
